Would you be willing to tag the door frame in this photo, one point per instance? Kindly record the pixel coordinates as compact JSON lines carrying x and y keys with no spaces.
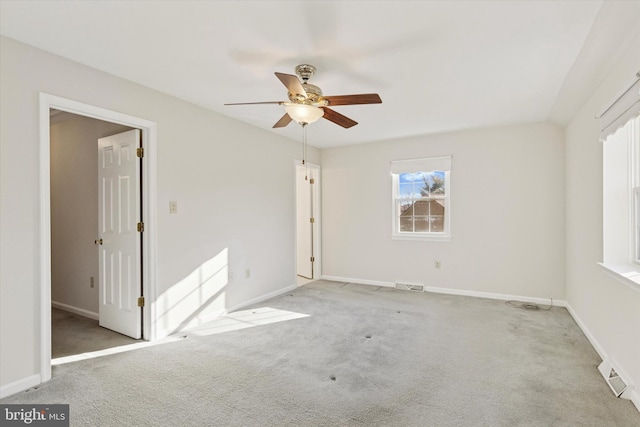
{"x":149,"y":199}
{"x":315,"y":195}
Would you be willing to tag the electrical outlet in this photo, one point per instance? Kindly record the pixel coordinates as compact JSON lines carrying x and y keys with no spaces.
{"x":173,"y":207}
{"x":91,"y":282}
{"x":437,"y":264}
{"x":231,"y":276}
{"x":247,"y":273}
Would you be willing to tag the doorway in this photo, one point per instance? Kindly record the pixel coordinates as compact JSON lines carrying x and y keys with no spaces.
{"x":77,"y":261}
{"x":307,"y":186}
{"x":147,"y":203}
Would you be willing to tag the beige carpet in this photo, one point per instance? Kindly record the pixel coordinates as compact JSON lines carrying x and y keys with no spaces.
{"x":72,"y":334}
{"x":332,"y":354}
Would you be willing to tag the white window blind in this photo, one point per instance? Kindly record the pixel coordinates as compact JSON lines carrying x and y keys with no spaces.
{"x":442,"y":163}
{"x":625,"y":107}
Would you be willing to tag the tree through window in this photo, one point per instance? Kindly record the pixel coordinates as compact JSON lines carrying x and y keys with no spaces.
{"x":421,"y":198}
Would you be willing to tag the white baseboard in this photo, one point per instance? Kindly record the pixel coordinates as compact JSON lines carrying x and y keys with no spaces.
{"x":631,"y":393}
{"x":75,"y":310}
{"x":358,"y":281}
{"x":20,"y":385}
{"x":635,"y":398}
{"x":260,"y":298}
{"x":491,"y":295}
{"x":449,"y":291}
{"x":594,"y":342}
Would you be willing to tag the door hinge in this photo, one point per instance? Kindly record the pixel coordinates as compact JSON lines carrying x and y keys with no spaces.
{"x":140,"y":152}
{"x":140,"y":227}
{"x":312,"y":220}
{"x":140,"y":301}
{"x":312,"y":181}
{"x":313,"y":259}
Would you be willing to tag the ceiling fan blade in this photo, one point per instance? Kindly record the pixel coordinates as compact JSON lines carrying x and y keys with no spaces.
{"x":292,"y":84}
{"x":337,"y":118}
{"x":254,"y":103}
{"x":284,"y":121}
{"x":365,"y":98}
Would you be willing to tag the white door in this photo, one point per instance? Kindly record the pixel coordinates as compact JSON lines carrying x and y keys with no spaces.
{"x":305,"y":221}
{"x":120,"y":249}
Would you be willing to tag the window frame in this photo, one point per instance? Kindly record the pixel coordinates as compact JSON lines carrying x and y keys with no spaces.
{"x":396,"y":234}
{"x":621,"y":260}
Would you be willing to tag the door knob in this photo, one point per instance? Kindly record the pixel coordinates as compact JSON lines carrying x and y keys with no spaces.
{"x":98,"y":242}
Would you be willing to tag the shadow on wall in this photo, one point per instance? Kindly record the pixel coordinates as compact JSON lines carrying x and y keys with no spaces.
{"x":197,"y":298}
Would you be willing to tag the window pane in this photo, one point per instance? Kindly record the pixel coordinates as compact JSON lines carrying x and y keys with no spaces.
{"x":407,"y":190}
{"x":406,"y":224}
{"x":421,"y":224}
{"x":405,"y":215}
{"x":437,"y":224}
{"x":421,"y":200}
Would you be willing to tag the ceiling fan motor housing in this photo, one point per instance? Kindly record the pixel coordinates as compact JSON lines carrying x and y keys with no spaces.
{"x":304,"y":71}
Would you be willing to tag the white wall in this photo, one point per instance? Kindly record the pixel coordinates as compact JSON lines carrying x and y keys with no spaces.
{"x":234,"y":185}
{"x":74,"y":209}
{"x":607,"y":309}
{"x":507,"y":205}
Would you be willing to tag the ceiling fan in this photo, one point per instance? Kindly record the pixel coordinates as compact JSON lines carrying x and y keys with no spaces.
{"x":307,"y":103}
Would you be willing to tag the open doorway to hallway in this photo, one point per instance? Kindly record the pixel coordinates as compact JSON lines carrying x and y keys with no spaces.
{"x":75,"y":253}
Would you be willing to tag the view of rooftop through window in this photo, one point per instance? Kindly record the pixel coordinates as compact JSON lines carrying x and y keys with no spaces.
{"x":421,"y":201}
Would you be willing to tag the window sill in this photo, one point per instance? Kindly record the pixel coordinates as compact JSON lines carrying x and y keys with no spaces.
{"x":423,"y":237}
{"x":625,"y":273}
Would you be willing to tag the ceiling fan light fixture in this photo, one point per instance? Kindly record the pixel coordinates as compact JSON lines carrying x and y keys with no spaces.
{"x":304,"y":114}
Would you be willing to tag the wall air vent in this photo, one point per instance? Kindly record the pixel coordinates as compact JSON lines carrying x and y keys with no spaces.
{"x":409,"y":287}
{"x":616,"y":383}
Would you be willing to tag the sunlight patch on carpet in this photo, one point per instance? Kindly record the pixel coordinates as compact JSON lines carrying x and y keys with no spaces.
{"x":231,"y":322}
{"x":113,"y":350}
{"x":246,"y":319}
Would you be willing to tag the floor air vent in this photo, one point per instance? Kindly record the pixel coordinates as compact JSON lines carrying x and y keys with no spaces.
{"x":616,"y":383}
{"x":409,"y":287}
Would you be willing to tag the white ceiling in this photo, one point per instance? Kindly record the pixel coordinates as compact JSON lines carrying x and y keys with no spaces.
{"x":438,"y":66}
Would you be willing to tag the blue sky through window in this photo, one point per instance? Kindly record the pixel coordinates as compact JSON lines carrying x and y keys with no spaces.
{"x":410,"y":184}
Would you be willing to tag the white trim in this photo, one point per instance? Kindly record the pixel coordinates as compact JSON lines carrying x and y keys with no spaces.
{"x":502,"y":297}
{"x":260,"y":299}
{"x":435,"y":163}
{"x":625,"y":274}
{"x":75,"y":310}
{"x":449,"y":291}
{"x":592,"y":339}
{"x":317,"y":200}
{"x":444,"y":236}
{"x":20,"y":385}
{"x":149,"y":203}
{"x":632,"y":392}
{"x":424,"y":237}
{"x":358,"y":281}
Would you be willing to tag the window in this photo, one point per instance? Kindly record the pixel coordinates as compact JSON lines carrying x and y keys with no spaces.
{"x":621,"y":190}
{"x":620,"y":125}
{"x":421,"y":198}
